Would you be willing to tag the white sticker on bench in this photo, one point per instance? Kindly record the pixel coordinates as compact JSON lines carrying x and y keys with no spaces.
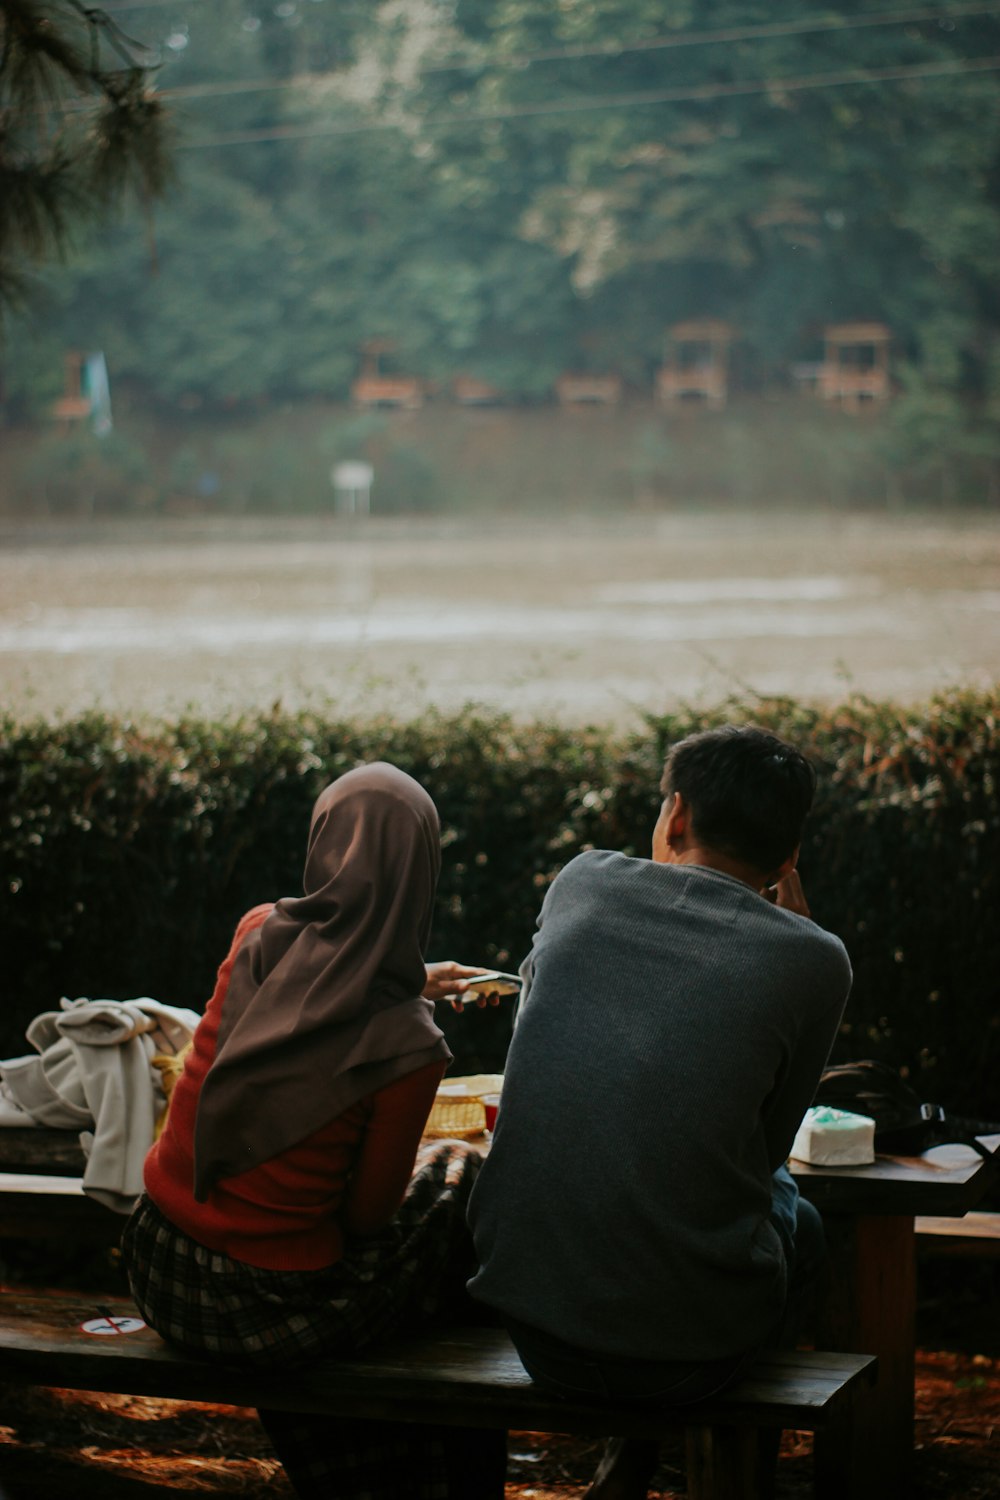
{"x":112,"y":1325}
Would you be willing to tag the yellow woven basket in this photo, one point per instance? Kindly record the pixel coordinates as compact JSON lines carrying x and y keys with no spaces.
{"x":458,"y":1112}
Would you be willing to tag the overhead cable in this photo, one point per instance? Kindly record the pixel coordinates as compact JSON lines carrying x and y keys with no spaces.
{"x":695,"y":93}
{"x":479,"y":62}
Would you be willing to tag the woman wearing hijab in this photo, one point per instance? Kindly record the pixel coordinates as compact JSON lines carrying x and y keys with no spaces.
{"x":282,"y":1218}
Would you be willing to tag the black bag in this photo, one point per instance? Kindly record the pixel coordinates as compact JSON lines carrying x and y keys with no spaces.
{"x":903,"y":1125}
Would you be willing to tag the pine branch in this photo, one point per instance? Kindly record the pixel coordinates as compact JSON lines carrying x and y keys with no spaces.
{"x":38,"y":203}
{"x":76,"y":136}
{"x":40,"y":61}
{"x":130,"y":146}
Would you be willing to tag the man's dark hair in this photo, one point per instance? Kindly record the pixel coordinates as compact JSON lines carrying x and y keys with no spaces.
{"x":748,"y":792}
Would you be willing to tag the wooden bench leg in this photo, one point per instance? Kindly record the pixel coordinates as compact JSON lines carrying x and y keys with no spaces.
{"x":725,"y":1462}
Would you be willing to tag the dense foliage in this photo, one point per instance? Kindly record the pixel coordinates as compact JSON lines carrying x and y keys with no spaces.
{"x":510,"y":189}
{"x":130,"y":851}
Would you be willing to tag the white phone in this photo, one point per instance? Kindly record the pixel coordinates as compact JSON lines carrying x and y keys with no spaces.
{"x":494,"y":982}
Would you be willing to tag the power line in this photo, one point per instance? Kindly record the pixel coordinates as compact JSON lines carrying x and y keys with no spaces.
{"x":115,"y":10}
{"x":692,"y":94}
{"x":772,"y":30}
{"x":764,"y":29}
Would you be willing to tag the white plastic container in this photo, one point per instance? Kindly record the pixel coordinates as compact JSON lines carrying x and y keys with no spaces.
{"x":833,"y":1138}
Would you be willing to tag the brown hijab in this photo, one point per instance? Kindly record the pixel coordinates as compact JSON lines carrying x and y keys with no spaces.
{"x":324,"y":1004}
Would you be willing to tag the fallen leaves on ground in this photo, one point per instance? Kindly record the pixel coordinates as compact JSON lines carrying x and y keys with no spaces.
{"x":68,"y":1445}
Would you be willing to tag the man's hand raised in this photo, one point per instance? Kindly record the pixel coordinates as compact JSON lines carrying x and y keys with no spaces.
{"x":788,"y":893}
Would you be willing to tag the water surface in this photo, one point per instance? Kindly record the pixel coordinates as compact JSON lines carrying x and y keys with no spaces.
{"x":578,"y":619}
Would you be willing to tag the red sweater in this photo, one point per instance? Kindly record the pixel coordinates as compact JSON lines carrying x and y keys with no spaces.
{"x":295,"y":1211}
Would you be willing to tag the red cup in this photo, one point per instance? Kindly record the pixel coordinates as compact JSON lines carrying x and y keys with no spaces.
{"x":491,"y":1103}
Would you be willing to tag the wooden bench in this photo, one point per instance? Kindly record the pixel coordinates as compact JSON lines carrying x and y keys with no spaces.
{"x":975,"y":1235}
{"x":466,"y":1377}
{"x":36,"y":1207}
{"x":41,"y":1191}
{"x":39,"y":1149}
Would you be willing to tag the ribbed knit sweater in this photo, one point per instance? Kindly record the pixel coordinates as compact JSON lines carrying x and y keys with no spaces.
{"x":670,"y":1039}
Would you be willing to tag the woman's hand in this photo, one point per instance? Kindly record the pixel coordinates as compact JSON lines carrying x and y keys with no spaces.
{"x":450,"y":981}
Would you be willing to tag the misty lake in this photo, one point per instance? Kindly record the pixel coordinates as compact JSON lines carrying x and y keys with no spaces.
{"x":576,"y":618}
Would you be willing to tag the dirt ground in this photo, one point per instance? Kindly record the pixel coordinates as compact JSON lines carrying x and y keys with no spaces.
{"x":61,"y":1445}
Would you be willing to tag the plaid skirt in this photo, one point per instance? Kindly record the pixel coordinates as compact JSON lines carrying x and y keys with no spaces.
{"x":411,"y":1273}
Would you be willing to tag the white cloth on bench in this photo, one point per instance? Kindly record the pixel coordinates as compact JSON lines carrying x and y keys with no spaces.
{"x":91,"y":1071}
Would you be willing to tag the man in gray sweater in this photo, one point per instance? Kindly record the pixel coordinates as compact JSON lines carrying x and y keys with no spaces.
{"x":635,"y":1224}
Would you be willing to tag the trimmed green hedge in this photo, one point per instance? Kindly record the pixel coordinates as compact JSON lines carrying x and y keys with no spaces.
{"x":129,"y":851}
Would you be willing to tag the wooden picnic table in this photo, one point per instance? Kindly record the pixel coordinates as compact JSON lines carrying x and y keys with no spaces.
{"x":870,"y":1302}
{"x":869,"y":1306}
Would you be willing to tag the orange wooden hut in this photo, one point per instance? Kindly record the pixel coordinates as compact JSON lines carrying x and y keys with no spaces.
{"x":373,"y":388}
{"x":855,"y":366}
{"x":697,"y":362}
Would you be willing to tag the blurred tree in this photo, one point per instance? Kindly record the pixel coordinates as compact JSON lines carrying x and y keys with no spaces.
{"x":79,"y":128}
{"x":506,"y":187}
{"x":694,"y":158}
